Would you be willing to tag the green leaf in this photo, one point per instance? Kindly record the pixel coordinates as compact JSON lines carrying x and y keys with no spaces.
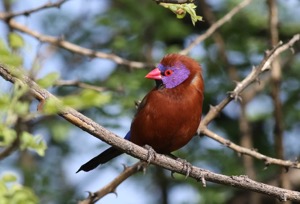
{"x":8,"y":58}
{"x":12,"y":192}
{"x":181,"y":9}
{"x":86,"y":99}
{"x":51,"y":106}
{"x":9,"y":177}
{"x":48,"y":80}
{"x":7,"y":135}
{"x":15,"y":40}
{"x":36,"y":143}
{"x":59,"y":131}
{"x":21,"y":108}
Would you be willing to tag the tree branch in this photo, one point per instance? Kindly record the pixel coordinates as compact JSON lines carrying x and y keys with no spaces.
{"x":8,"y":150}
{"x":88,"y":125}
{"x":60,"y":42}
{"x":8,"y":16}
{"x":215,"y":26}
{"x":112,"y":186}
{"x":252,"y":77}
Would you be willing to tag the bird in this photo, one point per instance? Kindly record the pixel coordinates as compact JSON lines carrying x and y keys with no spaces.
{"x":168,"y":116}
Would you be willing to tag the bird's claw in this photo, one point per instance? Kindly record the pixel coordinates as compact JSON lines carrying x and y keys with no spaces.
{"x":151,"y":153}
{"x":186,"y":166}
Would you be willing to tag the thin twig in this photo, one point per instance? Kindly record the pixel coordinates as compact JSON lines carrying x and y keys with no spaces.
{"x":251,"y":77}
{"x":60,"y":42}
{"x":112,"y":186}
{"x":8,"y":16}
{"x":210,"y":18}
{"x":215,"y":26}
{"x":11,"y":148}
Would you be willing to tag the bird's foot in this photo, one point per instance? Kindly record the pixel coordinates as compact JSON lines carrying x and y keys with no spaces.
{"x":151,"y":153}
{"x":186,"y":166}
{"x":201,"y":179}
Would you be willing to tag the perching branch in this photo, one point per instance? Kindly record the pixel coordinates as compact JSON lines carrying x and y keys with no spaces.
{"x":105,"y":135}
{"x":8,"y":16}
{"x":60,"y":42}
{"x":215,"y":26}
{"x":112,"y":186}
{"x":234,"y":95}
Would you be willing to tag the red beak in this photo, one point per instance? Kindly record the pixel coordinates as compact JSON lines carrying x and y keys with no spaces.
{"x":154,"y":74}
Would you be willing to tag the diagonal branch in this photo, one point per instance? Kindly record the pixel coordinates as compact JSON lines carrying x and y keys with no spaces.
{"x":88,"y":125}
{"x":8,"y":16}
{"x":112,"y":186}
{"x":215,"y":26}
{"x":252,"y":77}
{"x":11,"y":148}
{"x":60,"y":42}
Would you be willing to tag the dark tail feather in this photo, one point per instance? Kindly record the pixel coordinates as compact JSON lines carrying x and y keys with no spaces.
{"x":102,"y":158}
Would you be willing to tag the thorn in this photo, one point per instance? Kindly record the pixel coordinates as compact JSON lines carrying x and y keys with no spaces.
{"x":236,"y":82}
{"x":257,"y":80}
{"x":27,"y":14}
{"x":91,"y":194}
{"x":114,"y":192}
{"x":295,"y":163}
{"x":283,"y":197}
{"x":286,"y":168}
{"x":124,"y":167}
{"x":292,"y":50}
{"x":267,"y":52}
{"x":172,"y":174}
{"x":235,"y":96}
{"x":142,"y":167}
{"x":267,"y":164}
{"x":254,"y":149}
{"x":213,"y":108}
{"x":227,"y":143}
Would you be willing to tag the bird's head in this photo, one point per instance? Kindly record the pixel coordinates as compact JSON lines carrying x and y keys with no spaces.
{"x":173,"y":70}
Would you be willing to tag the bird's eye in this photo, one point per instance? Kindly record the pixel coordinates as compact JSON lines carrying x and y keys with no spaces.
{"x":168,"y":72}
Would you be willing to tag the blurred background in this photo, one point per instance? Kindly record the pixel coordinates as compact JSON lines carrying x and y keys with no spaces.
{"x":41,"y":153}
